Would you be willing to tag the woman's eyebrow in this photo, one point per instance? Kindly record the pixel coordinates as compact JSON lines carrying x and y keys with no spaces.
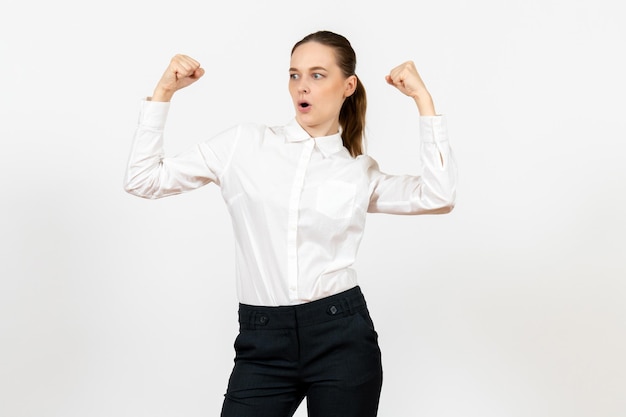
{"x":310,"y":69}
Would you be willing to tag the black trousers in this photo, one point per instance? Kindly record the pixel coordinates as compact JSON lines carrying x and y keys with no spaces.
{"x":326,"y":350}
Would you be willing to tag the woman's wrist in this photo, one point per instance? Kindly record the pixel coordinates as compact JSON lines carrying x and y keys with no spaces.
{"x":425,"y":104}
{"x":161,"y":94}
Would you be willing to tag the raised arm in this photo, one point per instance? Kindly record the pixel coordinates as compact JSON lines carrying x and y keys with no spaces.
{"x":149,"y":173}
{"x":434,"y":190}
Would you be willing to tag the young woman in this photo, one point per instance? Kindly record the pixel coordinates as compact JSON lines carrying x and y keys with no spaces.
{"x":298,"y":196}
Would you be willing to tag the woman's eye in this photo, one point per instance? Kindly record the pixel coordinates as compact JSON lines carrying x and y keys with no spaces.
{"x":293,"y":76}
{"x":317,"y":76}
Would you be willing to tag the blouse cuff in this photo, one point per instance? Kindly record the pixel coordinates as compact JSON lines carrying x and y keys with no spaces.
{"x":433,"y":128}
{"x":153,"y":114}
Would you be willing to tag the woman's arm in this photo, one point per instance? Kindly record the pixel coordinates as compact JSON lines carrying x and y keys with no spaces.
{"x":434,"y":191}
{"x":149,"y":173}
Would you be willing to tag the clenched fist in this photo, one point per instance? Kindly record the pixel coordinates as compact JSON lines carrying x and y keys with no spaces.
{"x":181,"y":72}
{"x":406,"y":79}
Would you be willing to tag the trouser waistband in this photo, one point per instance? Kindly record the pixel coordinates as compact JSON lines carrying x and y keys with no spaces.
{"x":288,"y":317}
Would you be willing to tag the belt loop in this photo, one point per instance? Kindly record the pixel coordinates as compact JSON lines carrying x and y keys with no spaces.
{"x":253,"y":315}
{"x":346,"y":305}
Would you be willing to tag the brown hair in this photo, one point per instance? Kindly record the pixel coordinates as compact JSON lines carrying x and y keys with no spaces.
{"x":352,"y":114}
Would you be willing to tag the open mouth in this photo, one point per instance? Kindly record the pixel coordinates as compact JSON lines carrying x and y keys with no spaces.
{"x":303,"y":104}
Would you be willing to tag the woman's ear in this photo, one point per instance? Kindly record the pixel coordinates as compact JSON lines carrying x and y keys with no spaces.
{"x":350,"y":85}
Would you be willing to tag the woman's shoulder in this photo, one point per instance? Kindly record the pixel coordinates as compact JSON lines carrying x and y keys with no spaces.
{"x":366,"y":160}
{"x":260,"y":129}
{"x":253,"y":134}
{"x":237,"y":130}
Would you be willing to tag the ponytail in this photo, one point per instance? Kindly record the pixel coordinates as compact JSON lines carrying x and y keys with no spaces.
{"x":352,"y":120}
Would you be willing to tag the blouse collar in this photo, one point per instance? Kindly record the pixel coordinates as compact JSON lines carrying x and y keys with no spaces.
{"x":327,"y":145}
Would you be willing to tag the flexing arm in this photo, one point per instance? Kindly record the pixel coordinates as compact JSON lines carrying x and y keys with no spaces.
{"x":434,"y":191}
{"x":149,"y":173}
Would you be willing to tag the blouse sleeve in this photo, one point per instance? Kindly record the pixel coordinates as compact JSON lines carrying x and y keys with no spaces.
{"x":150,"y":174}
{"x":432,"y":192}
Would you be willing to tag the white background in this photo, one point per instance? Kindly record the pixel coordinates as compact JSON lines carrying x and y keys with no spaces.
{"x":512,"y":305}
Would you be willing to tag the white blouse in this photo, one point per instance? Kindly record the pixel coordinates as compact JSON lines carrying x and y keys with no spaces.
{"x":298,"y":204}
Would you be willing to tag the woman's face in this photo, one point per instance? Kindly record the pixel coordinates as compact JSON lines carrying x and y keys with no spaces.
{"x":318,"y":88}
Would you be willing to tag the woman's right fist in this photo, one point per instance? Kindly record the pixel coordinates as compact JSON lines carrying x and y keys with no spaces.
{"x":181,"y":72}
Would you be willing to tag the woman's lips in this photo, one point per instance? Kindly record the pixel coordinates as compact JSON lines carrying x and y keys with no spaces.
{"x":304,"y":107}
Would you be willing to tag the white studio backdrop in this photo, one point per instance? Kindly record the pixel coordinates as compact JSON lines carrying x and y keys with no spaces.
{"x":512,"y":305}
